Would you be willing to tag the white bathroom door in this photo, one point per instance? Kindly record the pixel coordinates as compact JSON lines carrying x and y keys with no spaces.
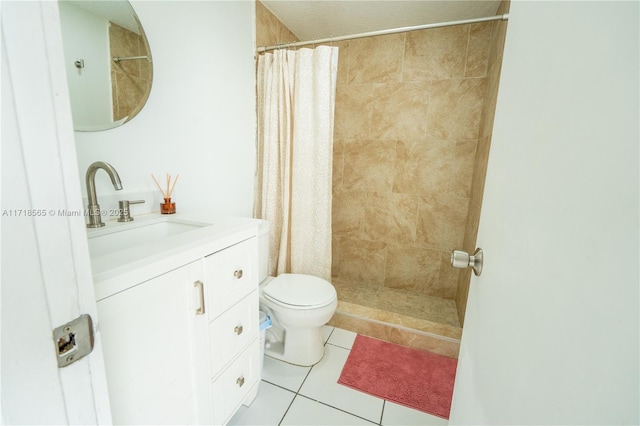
{"x":46,"y":272}
{"x":551,"y":329}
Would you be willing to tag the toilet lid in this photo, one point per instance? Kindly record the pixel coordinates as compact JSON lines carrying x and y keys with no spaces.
{"x":300,"y":290}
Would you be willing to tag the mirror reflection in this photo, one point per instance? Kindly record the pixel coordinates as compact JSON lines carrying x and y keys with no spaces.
{"x":108,"y":62}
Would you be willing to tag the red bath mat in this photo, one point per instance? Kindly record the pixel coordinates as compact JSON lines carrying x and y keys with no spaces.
{"x":406,"y":376}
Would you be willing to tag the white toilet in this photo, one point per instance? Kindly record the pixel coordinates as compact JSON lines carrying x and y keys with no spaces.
{"x":299,"y":305}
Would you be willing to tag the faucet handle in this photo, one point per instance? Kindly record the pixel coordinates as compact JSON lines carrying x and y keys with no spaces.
{"x":125,"y":213}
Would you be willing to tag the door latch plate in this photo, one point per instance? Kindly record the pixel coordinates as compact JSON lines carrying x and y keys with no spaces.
{"x":73,"y":340}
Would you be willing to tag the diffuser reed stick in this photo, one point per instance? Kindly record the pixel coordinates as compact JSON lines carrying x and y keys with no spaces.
{"x":170,"y":187}
{"x":174,"y":185}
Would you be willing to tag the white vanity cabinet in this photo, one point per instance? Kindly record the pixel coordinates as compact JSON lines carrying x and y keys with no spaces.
{"x":150,"y":341}
{"x":181,"y":346}
{"x":232,"y":295}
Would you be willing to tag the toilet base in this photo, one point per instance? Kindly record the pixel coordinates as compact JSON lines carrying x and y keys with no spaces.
{"x":301,"y":346}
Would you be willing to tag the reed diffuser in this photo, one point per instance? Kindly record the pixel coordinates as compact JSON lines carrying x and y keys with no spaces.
{"x":167,"y":207}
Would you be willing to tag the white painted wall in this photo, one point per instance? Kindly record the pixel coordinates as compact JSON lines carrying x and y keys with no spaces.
{"x":86,"y":37}
{"x":552,"y":326}
{"x":199,"y":121}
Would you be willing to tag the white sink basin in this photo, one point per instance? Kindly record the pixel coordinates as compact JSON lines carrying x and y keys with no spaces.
{"x":116,"y":236}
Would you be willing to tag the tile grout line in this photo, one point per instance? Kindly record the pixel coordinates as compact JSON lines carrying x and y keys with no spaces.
{"x":336,"y":408}
{"x":297,"y":392}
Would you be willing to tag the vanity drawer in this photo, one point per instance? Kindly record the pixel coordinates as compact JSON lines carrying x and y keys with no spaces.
{"x":233,"y":386}
{"x":230,"y":275}
{"x":232,"y":331}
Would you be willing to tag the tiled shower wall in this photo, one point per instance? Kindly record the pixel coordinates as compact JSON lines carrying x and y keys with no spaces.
{"x":269,"y":29}
{"x":131,"y":80}
{"x":413,"y":121}
{"x":408,"y":114}
{"x":482,"y":155}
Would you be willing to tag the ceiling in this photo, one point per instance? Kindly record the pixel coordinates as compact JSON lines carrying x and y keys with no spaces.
{"x":317,"y":19}
{"x":118,"y":12}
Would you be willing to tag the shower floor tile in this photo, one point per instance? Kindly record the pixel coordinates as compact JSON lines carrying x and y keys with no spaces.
{"x":420,"y":307}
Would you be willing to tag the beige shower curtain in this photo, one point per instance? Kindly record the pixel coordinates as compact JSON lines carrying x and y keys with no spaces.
{"x":296,"y":99}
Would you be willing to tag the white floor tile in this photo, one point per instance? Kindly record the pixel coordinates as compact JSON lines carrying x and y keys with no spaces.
{"x":304,"y":411}
{"x":322,"y":385}
{"x":280,"y":373}
{"x":321,"y":400}
{"x":268,"y":408}
{"x":399,"y":415}
{"x":342,"y":338}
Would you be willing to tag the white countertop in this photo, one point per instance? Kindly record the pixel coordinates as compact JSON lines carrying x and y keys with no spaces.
{"x":128,"y":266}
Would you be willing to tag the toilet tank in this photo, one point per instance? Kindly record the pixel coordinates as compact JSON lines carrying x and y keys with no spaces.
{"x":263,"y":250}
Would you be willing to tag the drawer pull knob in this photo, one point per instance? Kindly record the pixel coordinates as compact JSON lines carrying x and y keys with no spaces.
{"x":240,"y":381}
{"x":238,"y":329}
{"x":238,"y":274}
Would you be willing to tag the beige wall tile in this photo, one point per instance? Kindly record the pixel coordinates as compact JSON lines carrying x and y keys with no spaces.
{"x":123,"y":42}
{"x":425,"y":342}
{"x":269,"y":30}
{"x":369,"y":165}
{"x":480,"y":169}
{"x":478,"y":49}
{"x":455,"y":108}
{"x":266,"y":26}
{"x":353,"y":112}
{"x":391,"y":218}
{"x":348,"y":213}
{"x":335,"y":255}
{"x":499,"y":32}
{"x":130,"y":80}
{"x":448,"y":281}
{"x":471,"y":229}
{"x":490,"y":99}
{"x":343,"y":62}
{"x":482,"y":155}
{"x":441,"y":222}
{"x":424,"y":166}
{"x":376,"y":59}
{"x":131,"y":91}
{"x":497,"y":48}
{"x":413,"y":269}
{"x":361,"y":326}
{"x":338,"y":163}
{"x":114,"y":95}
{"x":399,"y":110}
{"x":362,"y":261}
{"x":435,"y":54}
{"x":421,"y":271}
{"x":462,"y":167}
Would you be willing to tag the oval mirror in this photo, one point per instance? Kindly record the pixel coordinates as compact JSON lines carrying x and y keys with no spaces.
{"x":108,"y":62}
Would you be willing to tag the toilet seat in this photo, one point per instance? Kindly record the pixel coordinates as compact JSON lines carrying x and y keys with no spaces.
{"x":300,"y":291}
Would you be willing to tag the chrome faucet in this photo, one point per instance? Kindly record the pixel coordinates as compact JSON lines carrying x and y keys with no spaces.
{"x":95,"y":219}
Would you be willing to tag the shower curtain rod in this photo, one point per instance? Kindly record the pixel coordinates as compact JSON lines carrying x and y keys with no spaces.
{"x":503,"y":17}
{"x":128,"y":58}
